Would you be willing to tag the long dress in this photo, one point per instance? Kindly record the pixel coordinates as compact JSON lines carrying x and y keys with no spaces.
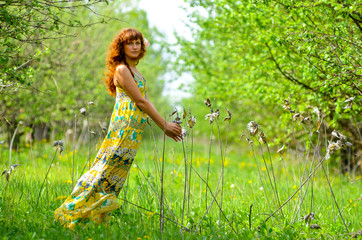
{"x":95,"y":194}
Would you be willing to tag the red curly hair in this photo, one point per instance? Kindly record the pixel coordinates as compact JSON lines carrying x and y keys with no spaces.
{"x":116,"y":55}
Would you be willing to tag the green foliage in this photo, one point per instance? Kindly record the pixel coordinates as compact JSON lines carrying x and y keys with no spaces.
{"x":250,"y":55}
{"x":25,"y":26}
{"x":70,"y":74}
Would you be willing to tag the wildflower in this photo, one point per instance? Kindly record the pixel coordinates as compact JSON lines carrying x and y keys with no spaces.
{"x":211,"y":116}
{"x":93,"y":133}
{"x":349,"y":99}
{"x":253,"y":128}
{"x":249,"y":141}
{"x":294,"y":187}
{"x":232,"y":186}
{"x":192,"y":122}
{"x":262,"y":137}
{"x":91,"y":103}
{"x":184,"y":132}
{"x":349,"y":103}
{"x":250,"y":181}
{"x":316,"y":110}
{"x":83,"y":111}
{"x":305,"y":119}
{"x":67,"y":181}
{"x":296,"y":116}
{"x":61,"y":197}
{"x":315,"y":226}
{"x":229,"y":115}
{"x":263,"y":169}
{"x":173,"y":113}
{"x":207,"y":102}
{"x":261,"y":188}
{"x":280,"y":151}
{"x":58,"y":144}
{"x":286,"y":105}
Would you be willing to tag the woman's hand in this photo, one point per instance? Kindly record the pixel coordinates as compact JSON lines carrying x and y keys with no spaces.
{"x":173,"y":130}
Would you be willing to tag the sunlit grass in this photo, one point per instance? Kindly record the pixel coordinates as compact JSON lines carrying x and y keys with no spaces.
{"x":22,"y":218}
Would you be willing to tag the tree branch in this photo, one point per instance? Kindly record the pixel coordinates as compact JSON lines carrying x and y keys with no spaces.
{"x":286,"y":75}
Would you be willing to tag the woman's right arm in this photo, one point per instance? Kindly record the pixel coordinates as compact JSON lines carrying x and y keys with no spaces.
{"x":124,"y":79}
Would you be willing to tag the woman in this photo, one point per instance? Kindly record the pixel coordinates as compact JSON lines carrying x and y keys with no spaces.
{"x":95,"y":194}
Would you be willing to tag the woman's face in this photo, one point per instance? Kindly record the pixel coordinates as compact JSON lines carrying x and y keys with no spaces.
{"x":132,"y":49}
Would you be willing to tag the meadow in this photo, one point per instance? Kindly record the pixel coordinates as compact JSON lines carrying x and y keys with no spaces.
{"x":211,"y":189}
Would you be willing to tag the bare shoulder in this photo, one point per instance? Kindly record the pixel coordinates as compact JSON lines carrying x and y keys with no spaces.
{"x":122,"y":76}
{"x":122,"y":70}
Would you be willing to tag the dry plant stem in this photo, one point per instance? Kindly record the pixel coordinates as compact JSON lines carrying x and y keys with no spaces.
{"x":90,"y":154}
{"x":260,"y":178}
{"x":222,"y":170}
{"x":11,"y":143}
{"x":332,"y":193}
{"x":286,"y":178}
{"x":301,"y":185}
{"x":125,"y":191}
{"x":161,"y":178}
{"x":214,"y":197}
{"x":275,"y":182}
{"x":157,"y":164}
{"x":177,"y":223}
{"x":190,"y":174}
{"x":89,"y":140}
{"x":46,"y":175}
{"x":296,"y":150}
{"x":334,"y":198}
{"x":185,"y":185}
{"x":275,"y":193}
{"x":207,"y":211}
{"x":74,"y":138}
{"x":208,"y":165}
{"x":153,"y":189}
{"x":304,"y":173}
{"x":250,"y":211}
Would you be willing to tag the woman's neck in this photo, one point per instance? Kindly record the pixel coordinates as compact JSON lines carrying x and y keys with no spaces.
{"x":131,"y":62}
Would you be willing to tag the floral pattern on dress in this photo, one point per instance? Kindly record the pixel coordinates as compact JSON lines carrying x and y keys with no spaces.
{"x":95,"y":194}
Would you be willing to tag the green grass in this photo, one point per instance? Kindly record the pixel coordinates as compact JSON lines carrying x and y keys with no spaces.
{"x":21,"y":218}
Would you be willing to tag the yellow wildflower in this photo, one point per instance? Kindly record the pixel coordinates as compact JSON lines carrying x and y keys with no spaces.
{"x":61,"y":197}
{"x":295,"y":186}
{"x":263,"y":168}
{"x":250,"y":181}
{"x":67,"y":181}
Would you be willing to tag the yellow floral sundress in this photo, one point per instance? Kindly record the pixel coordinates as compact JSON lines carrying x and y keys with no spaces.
{"x":95,"y":194}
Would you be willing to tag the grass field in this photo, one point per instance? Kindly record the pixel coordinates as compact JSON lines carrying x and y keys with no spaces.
{"x":27,"y":209}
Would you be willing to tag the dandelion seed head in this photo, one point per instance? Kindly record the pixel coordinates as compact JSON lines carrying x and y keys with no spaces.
{"x":253,"y":128}
{"x":83,"y":111}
